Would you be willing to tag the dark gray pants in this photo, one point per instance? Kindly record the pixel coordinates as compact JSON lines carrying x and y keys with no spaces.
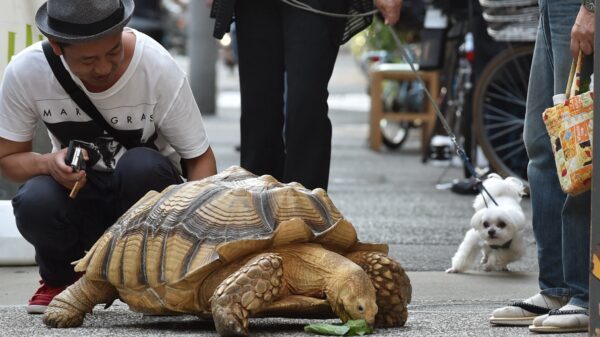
{"x":61,"y":229}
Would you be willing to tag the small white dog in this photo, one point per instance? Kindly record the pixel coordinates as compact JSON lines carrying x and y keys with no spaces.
{"x":497,"y":230}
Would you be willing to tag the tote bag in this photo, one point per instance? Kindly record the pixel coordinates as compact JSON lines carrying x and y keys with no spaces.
{"x":570,"y":127}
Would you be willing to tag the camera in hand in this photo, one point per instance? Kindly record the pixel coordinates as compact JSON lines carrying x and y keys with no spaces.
{"x":74,"y":156}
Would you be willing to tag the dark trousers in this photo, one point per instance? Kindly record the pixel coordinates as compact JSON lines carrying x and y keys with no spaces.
{"x":61,"y":229}
{"x":286,"y":57}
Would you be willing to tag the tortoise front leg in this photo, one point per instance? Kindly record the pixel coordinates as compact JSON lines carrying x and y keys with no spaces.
{"x":392,"y":286}
{"x":69,"y":307}
{"x":245,"y":292}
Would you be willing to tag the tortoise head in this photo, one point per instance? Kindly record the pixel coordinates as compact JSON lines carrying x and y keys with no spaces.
{"x":356,"y":298}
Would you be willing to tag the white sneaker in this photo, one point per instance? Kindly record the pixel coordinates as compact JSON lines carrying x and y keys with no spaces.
{"x":523,"y":312}
{"x":569,"y":318}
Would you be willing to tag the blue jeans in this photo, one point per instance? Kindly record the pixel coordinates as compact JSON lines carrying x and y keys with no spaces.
{"x":561,"y":223}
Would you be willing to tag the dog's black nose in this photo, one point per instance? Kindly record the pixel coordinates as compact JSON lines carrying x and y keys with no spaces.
{"x":492,"y":232}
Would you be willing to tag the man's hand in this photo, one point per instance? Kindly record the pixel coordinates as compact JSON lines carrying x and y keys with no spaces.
{"x":64,"y":173}
{"x":582,"y":34}
{"x":19,"y":164}
{"x":390,"y":10}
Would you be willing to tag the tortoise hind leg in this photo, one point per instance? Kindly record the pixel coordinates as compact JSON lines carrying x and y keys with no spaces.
{"x":245,"y":292}
{"x":392,"y":286}
{"x":69,"y":307}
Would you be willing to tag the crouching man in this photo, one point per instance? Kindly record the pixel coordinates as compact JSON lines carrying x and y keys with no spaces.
{"x":151,"y":122}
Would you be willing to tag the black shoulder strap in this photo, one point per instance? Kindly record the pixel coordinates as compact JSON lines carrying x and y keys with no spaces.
{"x":80,"y":98}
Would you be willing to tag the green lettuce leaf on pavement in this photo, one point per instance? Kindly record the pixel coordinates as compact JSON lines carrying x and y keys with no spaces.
{"x":350,"y":328}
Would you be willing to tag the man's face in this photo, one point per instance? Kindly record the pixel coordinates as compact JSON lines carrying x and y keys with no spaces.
{"x":96,"y":63}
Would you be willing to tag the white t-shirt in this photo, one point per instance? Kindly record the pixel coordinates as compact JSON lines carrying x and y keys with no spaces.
{"x":152,"y":101}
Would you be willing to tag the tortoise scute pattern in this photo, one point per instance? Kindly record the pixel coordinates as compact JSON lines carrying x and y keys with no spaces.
{"x":186,"y":222}
{"x":234,"y":246}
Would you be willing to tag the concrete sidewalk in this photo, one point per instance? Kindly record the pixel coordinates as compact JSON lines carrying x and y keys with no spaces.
{"x":389,"y":196}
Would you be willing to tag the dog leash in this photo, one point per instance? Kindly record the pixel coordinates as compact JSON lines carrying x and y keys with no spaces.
{"x":459,"y":149}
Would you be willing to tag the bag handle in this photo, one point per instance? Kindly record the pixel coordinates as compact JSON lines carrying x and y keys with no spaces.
{"x":574,"y":76}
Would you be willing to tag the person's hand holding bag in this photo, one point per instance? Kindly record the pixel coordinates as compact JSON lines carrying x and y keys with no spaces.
{"x":582,"y":34}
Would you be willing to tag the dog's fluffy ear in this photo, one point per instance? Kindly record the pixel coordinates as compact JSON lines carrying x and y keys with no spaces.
{"x":516,"y":217}
{"x":497,"y":187}
{"x":479,"y":203}
{"x":477,"y":219}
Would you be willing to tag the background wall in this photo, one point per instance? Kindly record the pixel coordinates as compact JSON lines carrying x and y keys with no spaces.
{"x":17,"y":31}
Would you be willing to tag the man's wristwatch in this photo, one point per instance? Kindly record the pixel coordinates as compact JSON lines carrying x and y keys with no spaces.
{"x":590,"y":5}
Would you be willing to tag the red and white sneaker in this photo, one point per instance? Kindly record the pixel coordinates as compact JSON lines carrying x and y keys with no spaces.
{"x":42,"y":297}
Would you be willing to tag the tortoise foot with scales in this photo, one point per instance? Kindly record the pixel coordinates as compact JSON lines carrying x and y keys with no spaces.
{"x":234,"y":246}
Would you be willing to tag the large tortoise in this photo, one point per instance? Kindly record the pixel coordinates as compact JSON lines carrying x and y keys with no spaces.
{"x":234,"y":246}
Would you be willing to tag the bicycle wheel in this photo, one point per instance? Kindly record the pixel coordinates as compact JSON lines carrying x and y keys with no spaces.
{"x":393,"y":134}
{"x":398,"y":96}
{"x":499,"y":111}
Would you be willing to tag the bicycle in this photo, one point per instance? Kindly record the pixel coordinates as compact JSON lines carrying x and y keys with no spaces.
{"x":499,"y":99}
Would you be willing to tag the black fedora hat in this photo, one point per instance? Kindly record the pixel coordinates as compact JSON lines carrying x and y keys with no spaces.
{"x":77,"y":21}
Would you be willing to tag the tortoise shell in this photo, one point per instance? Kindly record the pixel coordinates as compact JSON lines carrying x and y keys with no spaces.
{"x":170,"y":241}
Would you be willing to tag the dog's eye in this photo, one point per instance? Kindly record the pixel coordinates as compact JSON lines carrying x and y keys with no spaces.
{"x":501,"y":224}
{"x":486,"y":224}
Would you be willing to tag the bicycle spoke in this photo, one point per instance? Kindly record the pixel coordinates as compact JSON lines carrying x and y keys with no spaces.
{"x":504,"y":131}
{"x":508,"y":76}
{"x":492,"y":120}
{"x":504,"y":91}
{"x":500,"y":112}
{"x":507,"y":79}
{"x":503,"y":124}
{"x":506,"y":99}
{"x":523,"y":75}
{"x":509,"y":145}
{"x":518,"y":151}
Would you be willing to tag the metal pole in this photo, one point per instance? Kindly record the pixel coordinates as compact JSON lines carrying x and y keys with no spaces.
{"x":202,"y":51}
{"x":594,"y":298}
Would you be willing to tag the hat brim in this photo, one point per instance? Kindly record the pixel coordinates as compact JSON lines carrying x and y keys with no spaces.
{"x":41,"y":20}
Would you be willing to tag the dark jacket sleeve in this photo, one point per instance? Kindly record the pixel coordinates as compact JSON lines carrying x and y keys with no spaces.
{"x":357,"y":23}
{"x":222,"y":11}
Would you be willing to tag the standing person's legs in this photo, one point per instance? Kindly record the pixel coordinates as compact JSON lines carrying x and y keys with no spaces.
{"x":546,"y":196}
{"x":258,"y":29}
{"x":575,"y":211}
{"x":311,"y":46}
{"x":560,"y":223}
